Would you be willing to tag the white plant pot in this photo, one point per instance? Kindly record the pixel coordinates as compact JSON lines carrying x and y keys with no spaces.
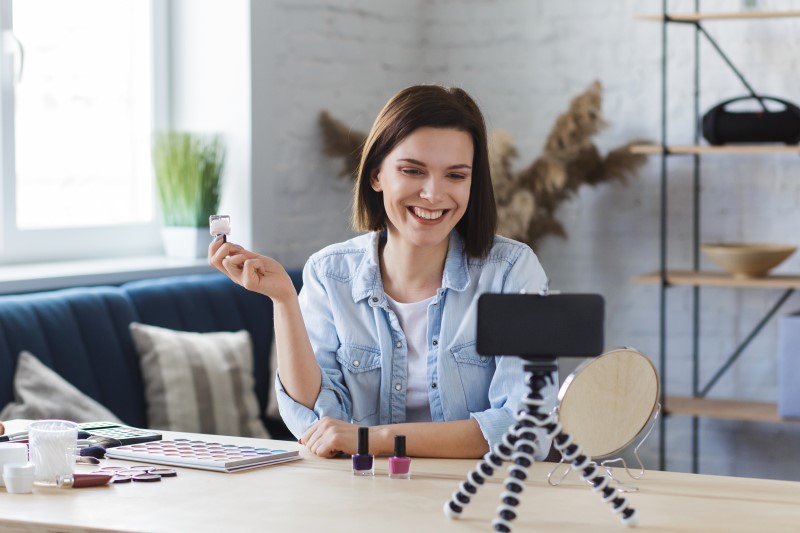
{"x":184,"y":242}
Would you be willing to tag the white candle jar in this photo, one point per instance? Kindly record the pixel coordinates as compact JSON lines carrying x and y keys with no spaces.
{"x":52,"y":450}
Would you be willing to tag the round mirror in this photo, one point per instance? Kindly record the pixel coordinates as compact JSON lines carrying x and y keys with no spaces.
{"x":608,"y":400}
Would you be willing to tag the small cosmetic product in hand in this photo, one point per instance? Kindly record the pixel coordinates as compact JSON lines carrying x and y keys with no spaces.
{"x":220,"y":225}
{"x":400,"y":464}
{"x":363,"y":461}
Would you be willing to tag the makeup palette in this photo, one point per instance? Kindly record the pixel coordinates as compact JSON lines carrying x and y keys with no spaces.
{"x":202,"y":454}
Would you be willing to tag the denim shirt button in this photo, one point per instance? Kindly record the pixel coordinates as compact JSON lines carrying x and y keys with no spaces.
{"x":397,"y":386}
{"x":484,"y":359}
{"x":433,"y":385}
{"x":435,"y":342}
{"x":398,"y":344}
{"x":374,"y":299}
{"x":356,"y":363}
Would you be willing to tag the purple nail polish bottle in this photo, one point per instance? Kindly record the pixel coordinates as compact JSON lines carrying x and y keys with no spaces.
{"x":363,"y":461}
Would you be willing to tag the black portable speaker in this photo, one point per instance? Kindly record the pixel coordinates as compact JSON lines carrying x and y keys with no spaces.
{"x":721,"y":126}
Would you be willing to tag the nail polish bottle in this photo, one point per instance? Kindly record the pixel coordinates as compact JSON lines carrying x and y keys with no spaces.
{"x":399,"y":464}
{"x":363,"y":461}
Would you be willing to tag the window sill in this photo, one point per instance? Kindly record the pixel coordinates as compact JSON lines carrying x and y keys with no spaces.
{"x":48,"y":276}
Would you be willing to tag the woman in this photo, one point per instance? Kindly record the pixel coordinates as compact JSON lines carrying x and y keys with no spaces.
{"x":383,"y":332}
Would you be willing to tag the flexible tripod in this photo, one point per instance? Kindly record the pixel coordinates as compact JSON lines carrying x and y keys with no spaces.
{"x":519,"y":445}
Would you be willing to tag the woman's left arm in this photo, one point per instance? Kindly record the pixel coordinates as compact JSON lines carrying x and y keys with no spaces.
{"x":460,"y":439}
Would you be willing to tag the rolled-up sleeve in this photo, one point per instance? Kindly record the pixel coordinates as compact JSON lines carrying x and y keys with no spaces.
{"x":508,"y":383}
{"x":334,"y":397}
{"x":505,"y":397}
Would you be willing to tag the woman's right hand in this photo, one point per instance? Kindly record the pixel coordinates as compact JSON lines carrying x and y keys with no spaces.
{"x":252,"y":271}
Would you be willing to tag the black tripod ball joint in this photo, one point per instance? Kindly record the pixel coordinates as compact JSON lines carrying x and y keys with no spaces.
{"x":520,"y":444}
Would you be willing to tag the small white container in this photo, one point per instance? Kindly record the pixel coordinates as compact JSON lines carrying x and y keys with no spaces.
{"x":18,"y":477}
{"x":219,"y":225}
{"x":12,"y":452}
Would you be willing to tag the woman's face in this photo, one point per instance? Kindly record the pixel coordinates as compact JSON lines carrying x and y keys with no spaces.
{"x":425,"y":181}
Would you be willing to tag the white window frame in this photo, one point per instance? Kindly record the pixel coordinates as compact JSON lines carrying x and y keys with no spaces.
{"x":37,"y":245}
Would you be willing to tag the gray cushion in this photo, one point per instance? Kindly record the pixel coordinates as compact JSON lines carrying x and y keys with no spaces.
{"x":41,"y":393}
{"x":198,"y":382}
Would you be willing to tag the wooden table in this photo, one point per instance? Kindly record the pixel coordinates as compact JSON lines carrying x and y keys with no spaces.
{"x":321,"y":495}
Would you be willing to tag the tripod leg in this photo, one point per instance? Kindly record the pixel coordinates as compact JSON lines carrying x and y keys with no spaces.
{"x":536,"y":377}
{"x":493,"y":459}
{"x":594,"y":476}
{"x":525,"y":449}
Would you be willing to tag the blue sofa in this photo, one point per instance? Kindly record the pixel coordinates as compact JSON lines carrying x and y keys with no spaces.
{"x":82,"y":333}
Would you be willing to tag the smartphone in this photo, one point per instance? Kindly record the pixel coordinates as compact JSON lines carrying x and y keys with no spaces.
{"x":537,"y":327}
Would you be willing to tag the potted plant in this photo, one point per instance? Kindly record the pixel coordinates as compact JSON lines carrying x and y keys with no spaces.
{"x":188,"y":168}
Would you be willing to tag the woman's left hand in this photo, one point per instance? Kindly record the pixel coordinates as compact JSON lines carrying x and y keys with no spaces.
{"x":330,"y":437}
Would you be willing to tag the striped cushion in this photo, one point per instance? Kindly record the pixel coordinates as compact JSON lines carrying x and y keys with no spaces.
{"x":198,"y":382}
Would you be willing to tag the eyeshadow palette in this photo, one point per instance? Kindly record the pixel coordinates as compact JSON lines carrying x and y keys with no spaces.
{"x":202,"y":454}
{"x":124,"y":434}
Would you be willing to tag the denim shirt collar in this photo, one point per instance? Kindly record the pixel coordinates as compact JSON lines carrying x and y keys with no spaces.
{"x":367,"y":278}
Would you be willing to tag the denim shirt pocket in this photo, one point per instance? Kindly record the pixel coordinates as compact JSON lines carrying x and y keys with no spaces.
{"x":361,"y":368}
{"x":476,"y":372}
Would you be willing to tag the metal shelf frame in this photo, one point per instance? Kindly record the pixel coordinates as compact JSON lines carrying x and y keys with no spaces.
{"x":664,"y":150}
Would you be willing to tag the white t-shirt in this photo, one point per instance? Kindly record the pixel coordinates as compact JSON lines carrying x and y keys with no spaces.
{"x":413,"y":320}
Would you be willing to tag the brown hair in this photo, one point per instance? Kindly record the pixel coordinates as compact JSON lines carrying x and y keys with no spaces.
{"x":436,"y":107}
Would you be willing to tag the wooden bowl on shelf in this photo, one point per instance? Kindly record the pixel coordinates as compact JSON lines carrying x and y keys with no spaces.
{"x":748,"y":260}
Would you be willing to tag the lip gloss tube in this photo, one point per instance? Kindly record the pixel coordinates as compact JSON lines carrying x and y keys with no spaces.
{"x":77,"y":481}
{"x":363,"y":461}
{"x":400,"y":464}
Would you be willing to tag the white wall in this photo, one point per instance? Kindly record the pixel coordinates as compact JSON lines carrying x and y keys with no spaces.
{"x":523,"y":61}
{"x":347,"y":57}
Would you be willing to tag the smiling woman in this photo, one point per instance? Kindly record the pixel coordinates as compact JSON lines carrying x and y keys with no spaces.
{"x":382,"y":334}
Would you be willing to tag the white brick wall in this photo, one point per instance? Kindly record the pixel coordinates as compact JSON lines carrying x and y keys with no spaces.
{"x":347,"y":57}
{"x":523,"y":61}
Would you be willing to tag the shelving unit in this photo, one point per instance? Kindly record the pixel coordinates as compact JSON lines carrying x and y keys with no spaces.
{"x":725,"y":409}
{"x":697,"y":17}
{"x":654,"y":149}
{"x":717,"y":279}
{"x":698,"y":404}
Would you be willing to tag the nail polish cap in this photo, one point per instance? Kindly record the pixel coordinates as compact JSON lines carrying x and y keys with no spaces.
{"x":363,"y":441}
{"x":399,"y":445}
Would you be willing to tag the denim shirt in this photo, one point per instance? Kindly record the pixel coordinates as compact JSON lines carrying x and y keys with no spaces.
{"x":362,"y":350}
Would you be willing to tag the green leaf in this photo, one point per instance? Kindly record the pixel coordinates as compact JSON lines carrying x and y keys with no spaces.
{"x":188,"y":168}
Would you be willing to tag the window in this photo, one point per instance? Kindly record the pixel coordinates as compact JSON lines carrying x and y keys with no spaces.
{"x":80,"y":90}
